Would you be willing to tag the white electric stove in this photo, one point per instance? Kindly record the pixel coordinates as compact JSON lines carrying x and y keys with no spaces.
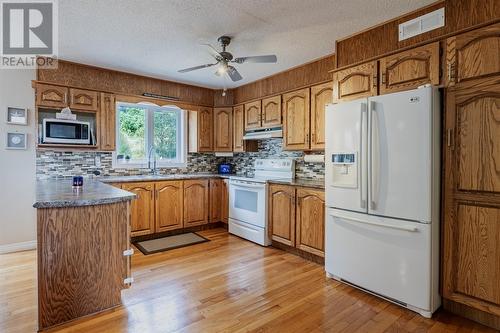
{"x":248,"y":199}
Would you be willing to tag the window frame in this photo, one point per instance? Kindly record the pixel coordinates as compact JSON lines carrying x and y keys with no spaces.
{"x":179,"y":162}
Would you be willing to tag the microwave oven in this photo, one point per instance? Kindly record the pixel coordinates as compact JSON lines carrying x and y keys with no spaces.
{"x":66,"y":131}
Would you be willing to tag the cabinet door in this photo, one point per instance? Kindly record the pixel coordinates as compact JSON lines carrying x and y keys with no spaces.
{"x":321,"y":95}
{"x":471,"y":231}
{"x":356,"y":82}
{"x":238,"y":128}
{"x":310,"y":221}
{"x":271,"y":111}
{"x":223,"y":129}
{"x":473,"y":55}
{"x":215,"y":200}
{"x":205,"y":132}
{"x":410,"y":69}
{"x":51,"y":96}
{"x":225,"y":200}
{"x":83,"y":99}
{"x":107,"y":122}
{"x":282,"y":214}
{"x":296,"y":113}
{"x":195,"y":202}
{"x":142,"y":208}
{"x":169,"y":205}
{"x":253,"y":115}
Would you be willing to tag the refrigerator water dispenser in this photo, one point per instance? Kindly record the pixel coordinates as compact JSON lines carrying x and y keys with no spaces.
{"x":345,"y":170}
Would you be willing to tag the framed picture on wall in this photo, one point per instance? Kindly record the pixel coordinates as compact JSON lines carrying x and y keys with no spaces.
{"x":16,"y":141}
{"x":17,"y":116}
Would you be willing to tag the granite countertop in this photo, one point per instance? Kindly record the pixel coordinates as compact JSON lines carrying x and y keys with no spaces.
{"x":320,"y":184}
{"x":145,"y":178}
{"x":60,"y":193}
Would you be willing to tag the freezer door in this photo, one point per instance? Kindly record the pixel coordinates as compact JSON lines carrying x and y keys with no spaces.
{"x":388,"y":257}
{"x":346,"y":155}
{"x":400,"y":155}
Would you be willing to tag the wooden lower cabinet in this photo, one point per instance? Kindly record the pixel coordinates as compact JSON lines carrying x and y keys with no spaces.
{"x":142,"y":208}
{"x":471,"y":225}
{"x":297,"y":217}
{"x":215,"y":200}
{"x":282,"y":214}
{"x":169,"y":205}
{"x":310,"y":221}
{"x":196,"y":204}
{"x":225,"y":200}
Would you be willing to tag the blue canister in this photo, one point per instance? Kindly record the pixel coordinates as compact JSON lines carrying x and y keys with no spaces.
{"x":77,"y":181}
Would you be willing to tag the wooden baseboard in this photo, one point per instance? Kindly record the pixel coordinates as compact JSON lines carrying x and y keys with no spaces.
{"x":300,"y":253}
{"x":212,"y":225}
{"x":468,"y":312}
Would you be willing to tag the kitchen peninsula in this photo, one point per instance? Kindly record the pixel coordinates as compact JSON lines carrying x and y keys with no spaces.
{"x":82,"y":242}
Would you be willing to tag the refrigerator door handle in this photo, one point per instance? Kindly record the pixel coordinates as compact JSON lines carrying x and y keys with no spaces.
{"x":361,"y":152}
{"x":375,"y":156}
{"x":397,"y":227}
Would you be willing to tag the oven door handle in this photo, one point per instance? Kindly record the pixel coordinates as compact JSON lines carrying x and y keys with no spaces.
{"x":247,"y":185}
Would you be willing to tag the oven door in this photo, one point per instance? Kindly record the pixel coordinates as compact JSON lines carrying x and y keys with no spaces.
{"x":247,"y":202}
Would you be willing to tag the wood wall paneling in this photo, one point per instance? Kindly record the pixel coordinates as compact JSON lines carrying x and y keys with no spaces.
{"x":107,"y":80}
{"x":383,"y":39}
{"x":302,"y":76}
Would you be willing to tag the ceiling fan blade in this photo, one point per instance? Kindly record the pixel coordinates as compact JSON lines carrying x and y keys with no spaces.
{"x":257,"y":59}
{"x":233,"y":73}
{"x":185,"y":70}
{"x":213,"y":52}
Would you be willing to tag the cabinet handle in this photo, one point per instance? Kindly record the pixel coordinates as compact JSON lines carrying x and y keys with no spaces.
{"x":449,"y":138}
{"x":128,"y":280}
{"x":451,"y":69}
{"x":313,"y":137}
{"x":307,"y":138}
{"x":383,"y":78}
{"x":128,"y":253}
{"x":375,"y":79}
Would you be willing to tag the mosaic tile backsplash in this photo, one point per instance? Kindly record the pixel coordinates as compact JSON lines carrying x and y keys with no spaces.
{"x":53,"y":164}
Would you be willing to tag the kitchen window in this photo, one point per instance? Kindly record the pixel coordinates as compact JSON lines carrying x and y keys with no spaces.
{"x":144,"y":129}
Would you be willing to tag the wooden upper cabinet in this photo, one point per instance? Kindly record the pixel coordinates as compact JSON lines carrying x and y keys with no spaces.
{"x":196,"y":208}
{"x":51,"y":96}
{"x":410,"y":69}
{"x":271,"y":111}
{"x":169,"y":205}
{"x":321,"y":95}
{"x":355,"y":82}
{"x":473,"y":55}
{"x":215,"y":200}
{"x":310,"y":221}
{"x":296,"y":112}
{"x":107,"y":122}
{"x":223,"y":129}
{"x":253,"y":115}
{"x":83,"y":99}
{"x":282,"y":214}
{"x":142,"y":208}
{"x":238,"y":128}
{"x":205,"y":130}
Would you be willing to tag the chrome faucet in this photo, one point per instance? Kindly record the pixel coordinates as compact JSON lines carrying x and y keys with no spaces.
{"x":154,"y":170}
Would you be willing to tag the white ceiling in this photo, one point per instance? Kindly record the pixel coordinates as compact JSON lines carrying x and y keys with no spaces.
{"x":158,"y":37}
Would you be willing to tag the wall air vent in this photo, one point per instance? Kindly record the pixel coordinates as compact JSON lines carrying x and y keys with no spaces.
{"x":421,"y":24}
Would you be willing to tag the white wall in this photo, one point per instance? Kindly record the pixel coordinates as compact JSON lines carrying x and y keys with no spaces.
{"x":17,"y":167}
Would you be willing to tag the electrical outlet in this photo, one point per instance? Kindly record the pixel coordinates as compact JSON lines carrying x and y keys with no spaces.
{"x":97,"y":161}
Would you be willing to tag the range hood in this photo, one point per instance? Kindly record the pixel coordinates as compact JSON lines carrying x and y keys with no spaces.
{"x":264,"y":133}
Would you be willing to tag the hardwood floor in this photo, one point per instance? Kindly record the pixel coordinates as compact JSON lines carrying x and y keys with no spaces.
{"x":226,"y":285}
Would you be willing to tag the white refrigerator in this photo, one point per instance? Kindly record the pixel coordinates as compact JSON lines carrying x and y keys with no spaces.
{"x":382,"y":188}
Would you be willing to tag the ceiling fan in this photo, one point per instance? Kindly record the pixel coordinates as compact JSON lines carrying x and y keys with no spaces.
{"x":224,"y":59}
